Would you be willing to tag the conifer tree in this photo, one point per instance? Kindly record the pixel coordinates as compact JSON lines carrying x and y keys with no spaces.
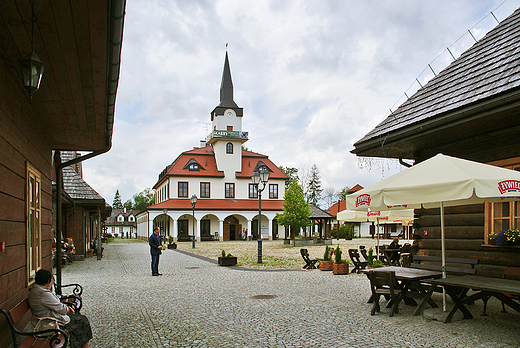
{"x":116,"y":204}
{"x":314,"y":186}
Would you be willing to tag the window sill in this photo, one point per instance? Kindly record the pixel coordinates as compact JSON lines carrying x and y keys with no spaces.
{"x":515,"y":248}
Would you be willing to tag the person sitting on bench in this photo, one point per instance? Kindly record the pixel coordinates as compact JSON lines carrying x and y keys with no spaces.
{"x":44,"y":304}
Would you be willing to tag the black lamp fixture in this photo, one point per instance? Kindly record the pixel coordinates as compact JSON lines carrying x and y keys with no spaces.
{"x":193,"y":201}
{"x":262,"y":176}
{"x":32,"y":67}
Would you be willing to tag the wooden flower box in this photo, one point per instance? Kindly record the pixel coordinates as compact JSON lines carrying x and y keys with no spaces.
{"x":227,"y":261}
{"x":325,"y":265}
{"x":341,"y":268}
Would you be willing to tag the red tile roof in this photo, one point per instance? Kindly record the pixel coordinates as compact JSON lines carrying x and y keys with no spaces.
{"x":206,"y":159}
{"x":356,"y":188}
{"x":333,"y":210}
{"x":218,"y":204}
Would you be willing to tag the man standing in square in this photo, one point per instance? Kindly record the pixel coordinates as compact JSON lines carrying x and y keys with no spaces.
{"x":155,"y":250}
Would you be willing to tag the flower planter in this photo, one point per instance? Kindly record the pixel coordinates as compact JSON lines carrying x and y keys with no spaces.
{"x":172,"y":246}
{"x":341,"y":268}
{"x":325,"y":265}
{"x":227,"y":261}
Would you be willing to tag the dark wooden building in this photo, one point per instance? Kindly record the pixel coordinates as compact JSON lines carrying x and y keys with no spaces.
{"x":80,"y":44}
{"x":469,"y":110}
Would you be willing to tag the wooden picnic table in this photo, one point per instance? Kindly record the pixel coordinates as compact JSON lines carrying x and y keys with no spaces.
{"x":410,"y":279}
{"x":484,"y":287}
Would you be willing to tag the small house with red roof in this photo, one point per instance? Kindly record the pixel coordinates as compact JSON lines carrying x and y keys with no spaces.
{"x":219,"y":174}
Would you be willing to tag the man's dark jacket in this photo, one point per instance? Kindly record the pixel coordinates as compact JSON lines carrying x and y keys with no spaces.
{"x":155,"y":242}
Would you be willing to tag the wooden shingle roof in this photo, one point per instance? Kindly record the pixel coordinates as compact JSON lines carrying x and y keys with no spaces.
{"x":484,"y":76}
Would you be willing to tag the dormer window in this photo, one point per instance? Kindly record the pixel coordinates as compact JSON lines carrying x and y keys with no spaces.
{"x":193,"y":165}
{"x":120,"y":218}
{"x":229,"y":148}
{"x":131,"y":218}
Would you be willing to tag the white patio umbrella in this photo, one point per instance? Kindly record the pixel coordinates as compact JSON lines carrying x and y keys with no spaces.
{"x":437,"y":182}
{"x":402,"y":216}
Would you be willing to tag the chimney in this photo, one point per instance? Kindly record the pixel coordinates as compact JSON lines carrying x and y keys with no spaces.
{"x":202,"y":143}
{"x":124,"y":210}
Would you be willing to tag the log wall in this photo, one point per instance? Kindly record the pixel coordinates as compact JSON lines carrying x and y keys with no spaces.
{"x":464,"y":237}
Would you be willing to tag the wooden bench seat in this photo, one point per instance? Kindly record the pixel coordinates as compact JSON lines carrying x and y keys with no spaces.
{"x":58,"y":337}
{"x":454,"y":265}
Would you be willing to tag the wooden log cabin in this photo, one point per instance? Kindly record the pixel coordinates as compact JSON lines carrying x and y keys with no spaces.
{"x":80,"y":44}
{"x":469,"y":110}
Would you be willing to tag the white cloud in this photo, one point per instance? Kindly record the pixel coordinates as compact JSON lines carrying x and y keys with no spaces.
{"x":313,"y":77}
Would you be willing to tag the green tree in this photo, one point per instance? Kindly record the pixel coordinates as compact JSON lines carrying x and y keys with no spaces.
{"x":296,"y":211}
{"x":343,"y":193}
{"x":292,"y":174}
{"x":116,"y":203}
{"x":314,"y":186}
{"x":128,"y":204}
{"x":143,"y":199}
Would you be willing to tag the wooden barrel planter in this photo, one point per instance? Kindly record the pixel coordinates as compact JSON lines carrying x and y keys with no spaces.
{"x":341,"y":268}
{"x":325,"y":265}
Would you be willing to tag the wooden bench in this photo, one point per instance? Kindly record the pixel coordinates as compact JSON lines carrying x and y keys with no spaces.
{"x":356,"y":261}
{"x":309,"y":263}
{"x":454,"y":265}
{"x":72,"y":300}
{"x":509,"y":273}
{"x":58,"y":337}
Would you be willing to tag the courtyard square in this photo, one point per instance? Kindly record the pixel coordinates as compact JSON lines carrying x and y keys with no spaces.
{"x":196,"y":303}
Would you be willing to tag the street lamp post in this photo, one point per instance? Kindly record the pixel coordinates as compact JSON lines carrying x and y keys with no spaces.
{"x":257,"y":178}
{"x":193,"y":200}
{"x":165,"y":211}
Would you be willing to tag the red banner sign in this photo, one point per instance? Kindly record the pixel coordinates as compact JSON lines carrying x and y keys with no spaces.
{"x":363,"y":200}
{"x":509,"y":186}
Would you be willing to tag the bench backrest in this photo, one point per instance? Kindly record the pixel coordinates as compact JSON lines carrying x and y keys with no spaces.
{"x":469,"y":263}
{"x":18,"y":311}
{"x":512,"y":273}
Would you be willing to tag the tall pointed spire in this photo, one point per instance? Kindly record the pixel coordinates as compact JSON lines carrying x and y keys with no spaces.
{"x":226,"y":86}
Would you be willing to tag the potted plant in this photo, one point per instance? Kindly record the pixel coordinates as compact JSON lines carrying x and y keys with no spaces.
{"x":371,"y":263}
{"x":171,"y":244}
{"x":227,"y":259}
{"x":326,"y":264}
{"x":340,"y":265}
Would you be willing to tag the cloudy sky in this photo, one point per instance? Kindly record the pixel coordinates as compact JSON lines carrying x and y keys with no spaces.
{"x":313,"y":77}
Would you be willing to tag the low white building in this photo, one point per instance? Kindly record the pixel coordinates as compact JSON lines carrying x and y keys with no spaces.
{"x":219,"y":174}
{"x":122,"y":223}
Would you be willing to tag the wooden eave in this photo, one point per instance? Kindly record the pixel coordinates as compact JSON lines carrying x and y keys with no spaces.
{"x":80,"y":44}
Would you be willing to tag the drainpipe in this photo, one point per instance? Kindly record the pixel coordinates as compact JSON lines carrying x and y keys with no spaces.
{"x":115,"y":38}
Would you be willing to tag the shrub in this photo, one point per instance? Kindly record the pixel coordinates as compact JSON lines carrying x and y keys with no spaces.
{"x":345,"y":231}
{"x":326,"y":255}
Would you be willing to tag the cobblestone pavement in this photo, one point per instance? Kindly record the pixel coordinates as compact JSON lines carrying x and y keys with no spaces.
{"x":196,"y":303}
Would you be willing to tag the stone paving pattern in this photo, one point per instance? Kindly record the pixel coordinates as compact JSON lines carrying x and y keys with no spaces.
{"x":196,"y":303}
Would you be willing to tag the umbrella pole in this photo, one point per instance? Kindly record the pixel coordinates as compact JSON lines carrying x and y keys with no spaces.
{"x":377,"y":232}
{"x":443,"y":256}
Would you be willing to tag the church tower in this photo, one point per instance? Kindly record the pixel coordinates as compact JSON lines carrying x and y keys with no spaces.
{"x":227,"y":136}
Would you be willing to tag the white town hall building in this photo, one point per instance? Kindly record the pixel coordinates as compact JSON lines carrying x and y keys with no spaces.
{"x":219,"y":174}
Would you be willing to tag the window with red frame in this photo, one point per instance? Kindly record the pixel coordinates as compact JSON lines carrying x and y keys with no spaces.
{"x":183,"y":189}
{"x":273,"y":191}
{"x":230,"y":190}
